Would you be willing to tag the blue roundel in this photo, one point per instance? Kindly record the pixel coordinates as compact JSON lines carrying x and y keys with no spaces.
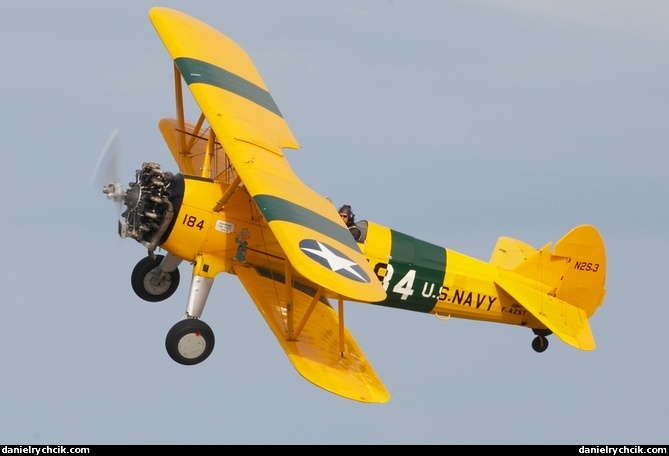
{"x":331,"y":258}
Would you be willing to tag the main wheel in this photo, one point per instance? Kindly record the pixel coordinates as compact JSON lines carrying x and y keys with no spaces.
{"x":150,"y":283}
{"x":190,"y":341}
{"x":540,"y":344}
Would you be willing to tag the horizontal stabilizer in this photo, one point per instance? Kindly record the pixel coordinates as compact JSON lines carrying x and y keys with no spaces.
{"x":566,"y":321}
{"x":510,"y":252}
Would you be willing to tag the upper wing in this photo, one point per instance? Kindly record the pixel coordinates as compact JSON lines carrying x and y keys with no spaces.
{"x":252,"y":131}
{"x":316,"y":351}
{"x":223,"y":80}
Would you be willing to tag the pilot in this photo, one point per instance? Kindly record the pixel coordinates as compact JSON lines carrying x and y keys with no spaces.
{"x":349,"y":219}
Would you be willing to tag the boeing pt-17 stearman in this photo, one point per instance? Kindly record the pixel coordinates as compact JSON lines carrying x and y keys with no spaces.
{"x":236,"y":206}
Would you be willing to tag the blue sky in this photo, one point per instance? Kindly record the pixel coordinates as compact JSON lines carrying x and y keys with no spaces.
{"x":456,"y":122}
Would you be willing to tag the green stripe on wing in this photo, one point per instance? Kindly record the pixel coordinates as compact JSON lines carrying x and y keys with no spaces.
{"x":274,"y":208}
{"x":197,"y":71}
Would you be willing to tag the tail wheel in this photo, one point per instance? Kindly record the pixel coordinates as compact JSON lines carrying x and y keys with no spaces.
{"x":540,"y":344}
{"x":190,"y":341}
{"x":151,"y":283}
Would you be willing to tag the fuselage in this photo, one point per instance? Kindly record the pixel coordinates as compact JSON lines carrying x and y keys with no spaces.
{"x":425,"y":277}
{"x":416,"y":275}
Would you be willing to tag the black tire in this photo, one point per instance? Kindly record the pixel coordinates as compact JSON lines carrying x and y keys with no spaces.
{"x":540,"y":344}
{"x":190,"y":341}
{"x":151,"y":287}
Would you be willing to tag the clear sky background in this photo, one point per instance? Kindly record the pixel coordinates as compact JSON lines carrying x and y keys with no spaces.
{"x":453,"y":121}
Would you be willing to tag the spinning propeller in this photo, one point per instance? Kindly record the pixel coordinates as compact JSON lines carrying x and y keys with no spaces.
{"x":106,"y":171}
{"x":149,"y":210}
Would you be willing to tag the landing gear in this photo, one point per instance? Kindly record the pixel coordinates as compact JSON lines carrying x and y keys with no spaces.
{"x":151,"y":283}
{"x":155,"y":278}
{"x":190,"y":341}
{"x":540,"y":343}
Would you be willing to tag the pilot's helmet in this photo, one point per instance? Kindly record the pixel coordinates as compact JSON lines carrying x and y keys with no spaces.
{"x":346,"y":209}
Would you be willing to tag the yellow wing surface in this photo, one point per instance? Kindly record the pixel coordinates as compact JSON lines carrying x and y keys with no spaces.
{"x":252,"y":132}
{"x":315,"y":350}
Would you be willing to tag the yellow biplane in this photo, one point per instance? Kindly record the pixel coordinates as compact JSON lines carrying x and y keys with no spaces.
{"x":236,"y":206}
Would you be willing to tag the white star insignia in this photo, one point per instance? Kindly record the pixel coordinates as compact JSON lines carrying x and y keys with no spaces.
{"x":336,"y":263}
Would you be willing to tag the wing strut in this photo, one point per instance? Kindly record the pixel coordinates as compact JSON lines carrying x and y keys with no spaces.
{"x":289,"y":299}
{"x":209,"y":153}
{"x":181,"y":127}
{"x":294,"y":334}
{"x":184,"y":146}
{"x":307,"y":314}
{"x":227,"y":194}
{"x":342,"y":337}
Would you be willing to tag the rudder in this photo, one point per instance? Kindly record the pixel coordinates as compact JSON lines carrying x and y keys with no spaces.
{"x":584,"y":278}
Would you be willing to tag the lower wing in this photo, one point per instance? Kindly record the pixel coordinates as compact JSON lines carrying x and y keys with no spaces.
{"x":319,"y":347}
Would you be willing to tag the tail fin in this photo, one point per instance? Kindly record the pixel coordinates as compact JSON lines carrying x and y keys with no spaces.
{"x":574,"y":272}
{"x":567,"y":284}
{"x":585,"y":275}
